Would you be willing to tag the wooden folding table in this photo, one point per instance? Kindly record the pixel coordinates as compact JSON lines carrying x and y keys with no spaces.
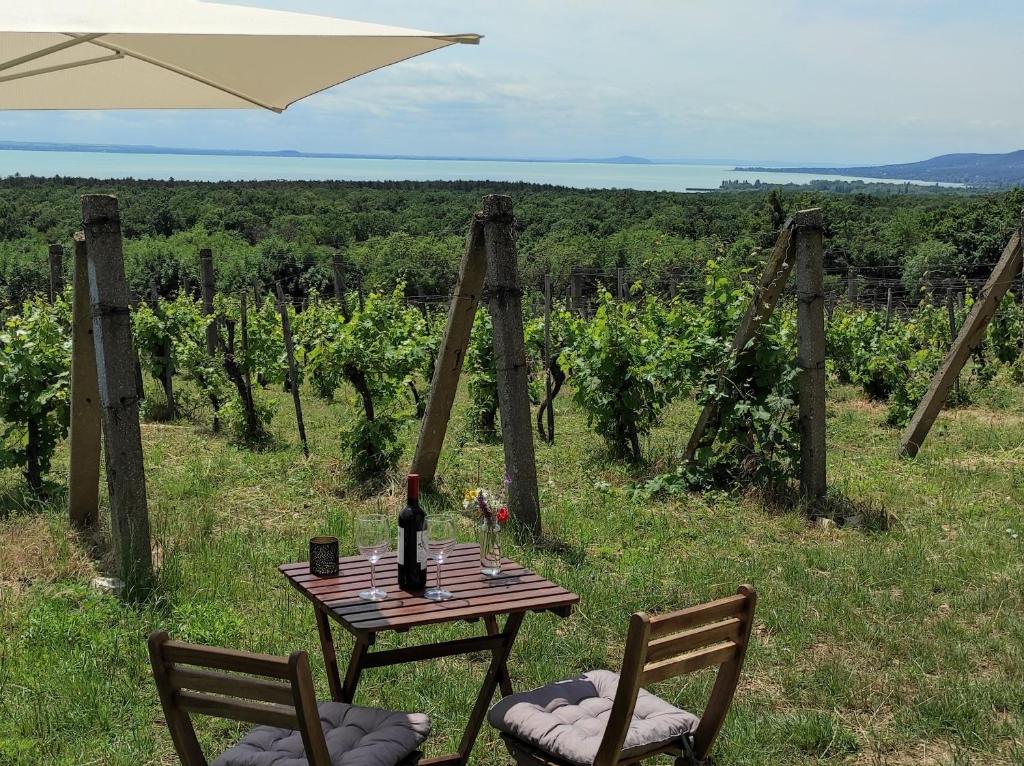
{"x":514,"y":592}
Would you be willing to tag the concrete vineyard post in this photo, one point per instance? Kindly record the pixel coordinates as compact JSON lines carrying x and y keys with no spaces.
{"x":504,"y":300}
{"x":809,"y":252}
{"x":115,"y":362}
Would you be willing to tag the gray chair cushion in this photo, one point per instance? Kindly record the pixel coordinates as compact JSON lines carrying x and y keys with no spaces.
{"x":567,"y":719}
{"x":356,"y":736}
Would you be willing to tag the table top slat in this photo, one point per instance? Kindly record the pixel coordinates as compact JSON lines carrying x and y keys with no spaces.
{"x":337,"y":598}
{"x":387,"y":575}
{"x":355,"y":607}
{"x":475,"y":596}
{"x":469,"y":612}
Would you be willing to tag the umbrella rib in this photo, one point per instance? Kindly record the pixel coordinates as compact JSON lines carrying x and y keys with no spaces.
{"x":61,"y":67}
{"x":185,"y":73}
{"x":43,"y":52}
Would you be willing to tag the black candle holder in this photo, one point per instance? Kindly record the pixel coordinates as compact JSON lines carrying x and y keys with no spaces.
{"x":323,"y":556}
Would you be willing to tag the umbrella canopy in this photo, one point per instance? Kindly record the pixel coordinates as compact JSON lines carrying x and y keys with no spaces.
{"x":185,"y":54}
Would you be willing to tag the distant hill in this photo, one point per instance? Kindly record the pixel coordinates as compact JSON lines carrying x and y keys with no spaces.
{"x":625,"y":159}
{"x":972,"y":169}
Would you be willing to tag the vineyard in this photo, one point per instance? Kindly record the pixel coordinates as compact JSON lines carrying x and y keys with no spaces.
{"x":623,"y":364}
{"x":277,"y":408}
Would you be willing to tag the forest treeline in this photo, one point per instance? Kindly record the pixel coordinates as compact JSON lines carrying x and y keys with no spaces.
{"x":414,"y":232}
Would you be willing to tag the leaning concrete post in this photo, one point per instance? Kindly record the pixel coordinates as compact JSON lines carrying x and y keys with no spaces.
{"x":115,"y":364}
{"x":84,"y":440}
{"x":810,"y":290}
{"x":970,"y":335}
{"x":504,"y":297}
{"x":449,"y":362}
{"x":762,"y":304}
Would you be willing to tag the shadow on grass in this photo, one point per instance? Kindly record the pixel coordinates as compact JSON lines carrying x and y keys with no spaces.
{"x":837,"y":508}
{"x":263,"y":443}
{"x":572,"y":554}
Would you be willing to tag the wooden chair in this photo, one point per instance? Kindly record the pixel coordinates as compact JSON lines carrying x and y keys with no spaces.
{"x":278,"y":694}
{"x":657,"y":648}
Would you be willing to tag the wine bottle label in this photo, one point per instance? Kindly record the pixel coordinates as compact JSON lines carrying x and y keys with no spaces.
{"x":401,"y":546}
{"x":421,"y":550}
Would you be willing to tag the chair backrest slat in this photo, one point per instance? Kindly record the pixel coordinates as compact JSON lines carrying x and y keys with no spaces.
{"x":688,"y":663}
{"x":691,"y":617}
{"x":226,"y":659}
{"x":235,"y":686}
{"x":272,"y":691}
{"x":729,"y":629}
{"x":267,"y":714}
{"x":660,"y":647}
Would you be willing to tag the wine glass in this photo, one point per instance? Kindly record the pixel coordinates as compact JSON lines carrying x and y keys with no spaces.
{"x":373,"y":538}
{"x":440,"y":534}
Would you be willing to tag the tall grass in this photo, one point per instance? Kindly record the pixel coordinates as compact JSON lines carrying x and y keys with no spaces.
{"x":871,"y":646}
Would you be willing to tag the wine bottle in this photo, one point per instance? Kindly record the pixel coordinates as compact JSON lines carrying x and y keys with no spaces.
{"x":412,"y":547}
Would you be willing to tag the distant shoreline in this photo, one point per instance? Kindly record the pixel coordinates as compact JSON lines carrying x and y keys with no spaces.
{"x":101,"y":161}
{"x":625,"y":159}
{"x":995,"y":171}
{"x":35,"y":146}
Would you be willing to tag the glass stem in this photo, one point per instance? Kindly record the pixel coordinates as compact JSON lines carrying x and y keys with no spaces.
{"x":373,"y":576}
{"x":437,"y":573}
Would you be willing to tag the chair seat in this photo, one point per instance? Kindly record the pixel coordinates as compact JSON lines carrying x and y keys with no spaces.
{"x":356,"y":736}
{"x":567,"y":719}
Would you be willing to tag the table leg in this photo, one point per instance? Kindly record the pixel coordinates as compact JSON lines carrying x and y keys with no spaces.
{"x":323,"y":627}
{"x":504,"y":682}
{"x":355,"y":666}
{"x":494,"y":672}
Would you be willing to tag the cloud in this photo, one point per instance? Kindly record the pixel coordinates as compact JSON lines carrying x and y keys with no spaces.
{"x":843,"y":81}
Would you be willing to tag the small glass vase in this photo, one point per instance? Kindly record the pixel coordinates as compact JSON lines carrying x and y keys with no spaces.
{"x":489,"y":535}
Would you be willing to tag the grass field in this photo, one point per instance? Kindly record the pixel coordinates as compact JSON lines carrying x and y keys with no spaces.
{"x":894,"y":643}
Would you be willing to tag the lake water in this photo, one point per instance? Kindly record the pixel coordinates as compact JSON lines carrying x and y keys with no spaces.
{"x":677,"y":178}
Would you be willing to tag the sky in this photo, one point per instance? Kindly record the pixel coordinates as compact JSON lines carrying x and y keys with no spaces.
{"x":837,"y":82}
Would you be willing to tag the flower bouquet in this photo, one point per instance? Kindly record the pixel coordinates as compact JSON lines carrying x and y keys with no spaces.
{"x":491,"y":516}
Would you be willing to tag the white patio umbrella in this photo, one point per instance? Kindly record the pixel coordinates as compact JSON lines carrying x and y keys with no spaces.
{"x":186,"y":54}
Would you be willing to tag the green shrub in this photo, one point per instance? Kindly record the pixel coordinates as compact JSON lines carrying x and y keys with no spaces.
{"x":35,"y":373}
{"x":621,"y":375}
